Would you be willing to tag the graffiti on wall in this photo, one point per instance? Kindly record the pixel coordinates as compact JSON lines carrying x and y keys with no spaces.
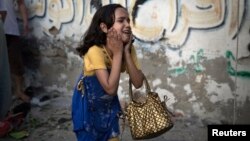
{"x":195,"y":59}
{"x":231,"y":70}
{"x":169,"y":21}
{"x":181,"y":18}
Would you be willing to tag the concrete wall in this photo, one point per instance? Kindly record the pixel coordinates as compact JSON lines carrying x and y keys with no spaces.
{"x":195,"y":52}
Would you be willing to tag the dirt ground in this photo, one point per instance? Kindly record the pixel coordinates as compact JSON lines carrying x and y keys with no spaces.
{"x":52,"y":122}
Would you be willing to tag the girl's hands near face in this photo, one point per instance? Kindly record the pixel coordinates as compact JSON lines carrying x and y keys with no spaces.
{"x":114,"y":41}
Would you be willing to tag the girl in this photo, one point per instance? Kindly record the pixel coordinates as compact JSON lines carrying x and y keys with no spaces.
{"x":106,"y":51}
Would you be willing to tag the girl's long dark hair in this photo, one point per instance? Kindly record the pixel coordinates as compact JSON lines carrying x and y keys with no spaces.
{"x":94,"y":34}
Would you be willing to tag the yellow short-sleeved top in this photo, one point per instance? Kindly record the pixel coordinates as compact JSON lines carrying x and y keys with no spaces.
{"x":97,"y":58}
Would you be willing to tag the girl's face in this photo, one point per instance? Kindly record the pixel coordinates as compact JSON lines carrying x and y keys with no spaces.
{"x":122,"y":24}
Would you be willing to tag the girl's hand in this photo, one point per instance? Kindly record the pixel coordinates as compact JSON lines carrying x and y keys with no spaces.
{"x":128,"y":45}
{"x":114,"y":41}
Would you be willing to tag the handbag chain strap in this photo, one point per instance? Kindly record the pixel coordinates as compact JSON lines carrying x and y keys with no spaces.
{"x":148,"y":89}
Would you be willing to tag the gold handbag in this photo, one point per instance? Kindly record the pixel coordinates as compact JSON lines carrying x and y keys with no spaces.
{"x":148,"y":119}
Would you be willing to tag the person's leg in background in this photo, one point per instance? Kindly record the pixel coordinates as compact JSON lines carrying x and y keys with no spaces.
{"x":5,"y":81}
{"x":16,"y":67}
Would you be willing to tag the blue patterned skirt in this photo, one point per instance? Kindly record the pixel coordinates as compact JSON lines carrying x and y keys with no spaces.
{"x":95,"y":114}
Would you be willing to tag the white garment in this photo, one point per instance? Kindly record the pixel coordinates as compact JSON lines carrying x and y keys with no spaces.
{"x":11,"y":26}
{"x":2,"y":5}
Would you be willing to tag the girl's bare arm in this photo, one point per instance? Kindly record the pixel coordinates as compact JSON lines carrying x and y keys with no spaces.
{"x":135,"y":74}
